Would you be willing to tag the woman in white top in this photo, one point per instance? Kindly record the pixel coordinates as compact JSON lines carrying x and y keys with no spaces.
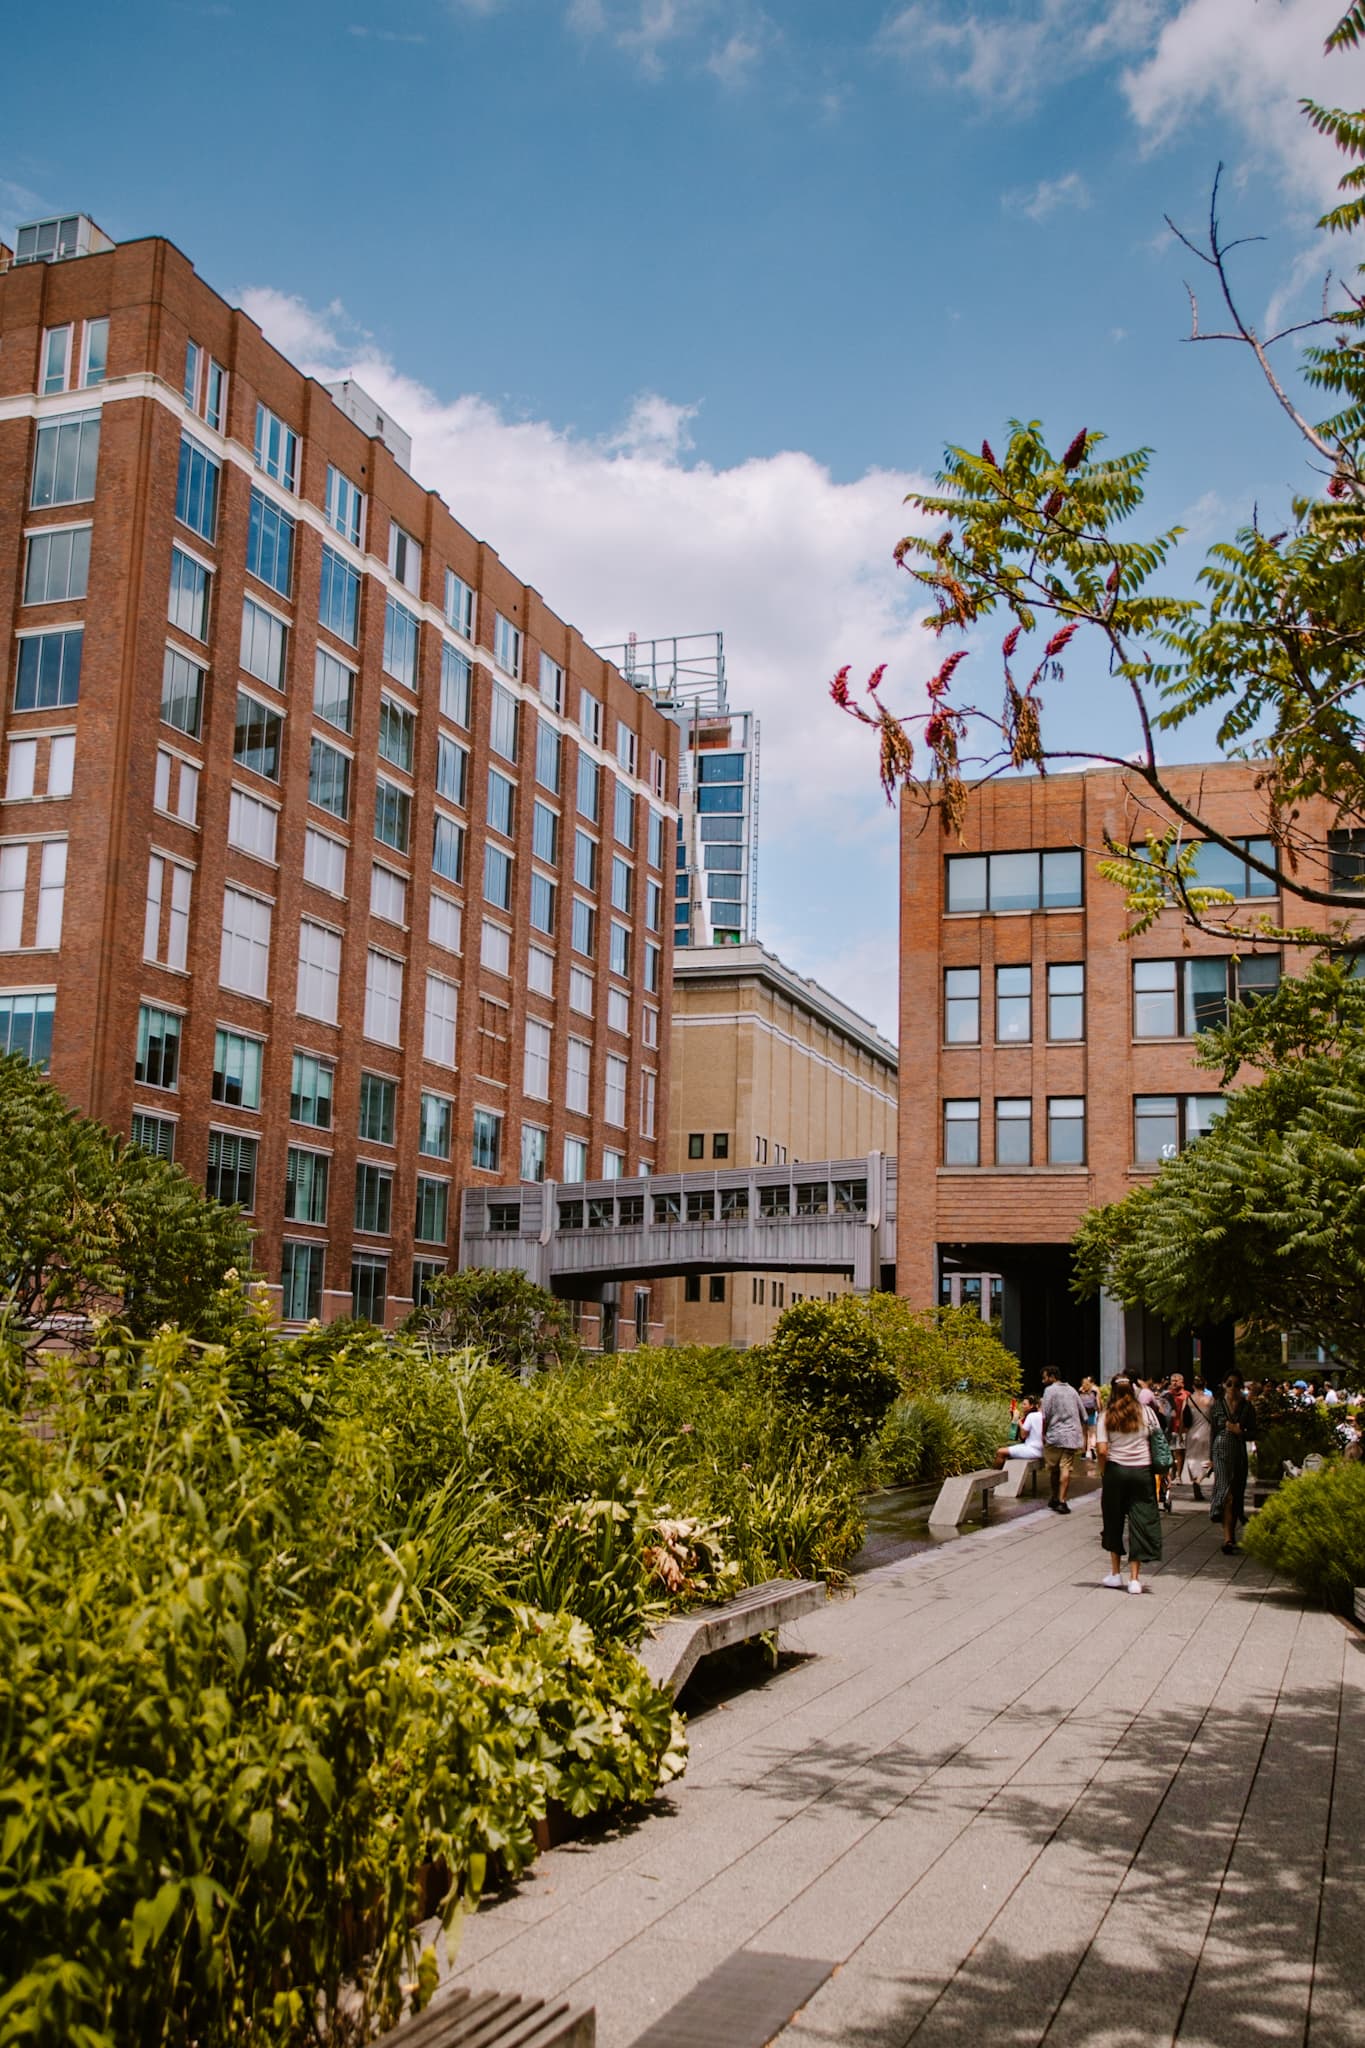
{"x":1127,"y":1485}
{"x":1030,"y":1444}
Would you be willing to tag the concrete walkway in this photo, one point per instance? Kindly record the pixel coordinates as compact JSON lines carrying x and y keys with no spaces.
{"x":1007,"y":1806}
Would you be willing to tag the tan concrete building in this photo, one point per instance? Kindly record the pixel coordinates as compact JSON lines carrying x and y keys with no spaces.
{"x":768,"y":1068}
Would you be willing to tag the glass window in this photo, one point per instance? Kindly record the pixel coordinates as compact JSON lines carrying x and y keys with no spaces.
{"x":536,"y":1079}
{"x":1156,"y":1128}
{"x":1013,"y":1131}
{"x":432,"y":1222}
{"x":502,"y":732}
{"x":193,"y":358}
{"x":324,"y":861}
{"x":1061,"y":881}
{"x":66,"y":456}
{"x":57,"y":565}
{"x":405,"y":558}
{"x":264,"y":643}
{"x":506,"y":645}
{"x":277,"y":448}
{"x":445,"y":920}
{"x":392,"y":814}
{"x":96,"y":345}
{"x":581,"y":989}
{"x":547,"y":757}
{"x":534,"y":1147}
{"x":1206,"y":994}
{"x":962,"y":1005}
{"x":388,"y":895}
{"x":339,"y":597}
{"x":49,"y":671}
{"x":727,"y":798}
{"x":551,"y":683}
{"x":188,"y":605}
{"x":624,"y":816}
{"x":1155,"y":1008}
{"x":26,"y":1027}
{"x":56,"y":359}
{"x":182,"y":693}
{"x":1257,"y":976}
{"x":459,"y":605}
{"x":252,"y":824}
{"x":329,"y":778}
{"x":620,"y":949}
{"x":344,"y":506}
{"x":447,"y":852}
{"x":318,"y":988}
{"x":439,"y":1018}
{"x":497,"y":878}
{"x":545,"y":834}
{"x":373,"y":1198}
{"x":310,"y":1092}
{"x":614,"y":1101}
{"x":627,"y":750}
{"x":1013,"y":881}
{"x":383,"y":997}
{"x":622,"y":883}
{"x":584,"y":927}
{"x":305,"y":1185}
{"x":154,"y":1134}
{"x":1065,"y":1002}
{"x":433,"y":1136}
{"x":231,"y":1175}
{"x":452,"y":770}
{"x":495,"y":947}
{"x":653,"y":967}
{"x":487,"y":1157}
{"x":501,"y":798}
{"x":301,"y":1283}
{"x":455,"y":684}
{"x":333,"y":690}
{"x":1201,"y":1114}
{"x":577,"y":1074}
{"x":589,"y":788}
{"x":1221,"y":867}
{"x":618,"y":1011}
{"x":1066,"y":1130}
{"x":585,"y":860}
{"x":270,"y":544}
{"x":590,"y":717}
{"x":1013,"y":1005}
{"x":400,"y":643}
{"x":575,"y":1159}
{"x":397,"y":734}
{"x":61,"y":768}
{"x":962,"y":1133}
{"x":657,"y":839}
{"x":543,"y":894}
{"x":540,"y":971}
{"x":256,"y":737}
{"x":369,"y":1283}
{"x":378,"y":1109}
{"x":244,"y":956}
{"x":215,"y":394}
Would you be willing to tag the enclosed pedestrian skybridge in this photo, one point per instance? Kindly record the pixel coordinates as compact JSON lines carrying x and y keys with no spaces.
{"x":577,"y":1238}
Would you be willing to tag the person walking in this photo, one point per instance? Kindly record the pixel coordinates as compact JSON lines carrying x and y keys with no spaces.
{"x":1233,"y":1427}
{"x":1197,"y":1416}
{"x":1063,"y":1436}
{"x":1127,"y":1485}
{"x":1090,"y":1404}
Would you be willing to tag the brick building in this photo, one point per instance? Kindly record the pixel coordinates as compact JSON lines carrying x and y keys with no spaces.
{"x":332,"y":862}
{"x":1047,"y":1061}
{"x":768,"y":1068}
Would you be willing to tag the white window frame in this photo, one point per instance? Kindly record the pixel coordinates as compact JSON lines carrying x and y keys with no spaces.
{"x":578,"y":1075}
{"x":540,"y":971}
{"x":590,"y":717}
{"x":445,"y":922}
{"x":538,"y":1052}
{"x":245,"y":948}
{"x":615,"y":1094}
{"x":495,"y":947}
{"x":383,"y":997}
{"x":440,"y":1020}
{"x":248,"y":829}
{"x":388,"y":894}
{"x":582,"y":991}
{"x":318,"y":988}
{"x":324,"y":860}
{"x":507,"y":646}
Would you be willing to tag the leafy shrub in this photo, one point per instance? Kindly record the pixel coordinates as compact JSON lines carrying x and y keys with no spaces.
{"x":825,"y":1360}
{"x":501,"y":1314}
{"x":942,"y":1350}
{"x":1284,"y":1430}
{"x":1313,"y":1530}
{"x":928,"y":1439}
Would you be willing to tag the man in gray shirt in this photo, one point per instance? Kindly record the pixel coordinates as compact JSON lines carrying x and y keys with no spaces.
{"x":1063,"y":1435}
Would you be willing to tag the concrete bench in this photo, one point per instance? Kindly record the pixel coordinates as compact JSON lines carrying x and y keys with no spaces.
{"x":674,"y":1650}
{"x":956,"y":1496}
{"x":1020,"y":1472}
{"x":461,"y":2018}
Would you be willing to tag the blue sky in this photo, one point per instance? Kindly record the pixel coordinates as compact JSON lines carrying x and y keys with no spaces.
{"x":679,"y":297}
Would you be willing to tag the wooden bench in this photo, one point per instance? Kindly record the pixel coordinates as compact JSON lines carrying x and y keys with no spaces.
{"x":1018,"y":1471}
{"x":956,"y":1496}
{"x":674,"y":1650}
{"x":461,"y":2018}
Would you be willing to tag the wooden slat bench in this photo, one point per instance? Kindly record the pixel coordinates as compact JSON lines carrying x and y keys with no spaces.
{"x":461,"y":2018}
{"x":674,"y":1650}
{"x":957,"y":1495}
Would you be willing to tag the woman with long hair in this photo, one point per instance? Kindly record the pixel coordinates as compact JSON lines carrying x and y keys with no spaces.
{"x":1233,"y":1425}
{"x":1090,"y":1407}
{"x":1127,"y":1485}
{"x":1198,"y":1436}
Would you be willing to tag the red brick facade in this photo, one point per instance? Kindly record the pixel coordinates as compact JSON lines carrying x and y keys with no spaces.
{"x":121,"y":808}
{"x":1007,"y":1215}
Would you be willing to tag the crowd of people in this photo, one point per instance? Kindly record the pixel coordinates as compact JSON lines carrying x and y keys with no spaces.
{"x":1145,"y":1434}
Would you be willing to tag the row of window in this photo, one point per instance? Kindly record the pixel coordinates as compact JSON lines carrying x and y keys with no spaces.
{"x":707,"y":1205}
{"x":977,"y":883}
{"x":1162,"y":1126}
{"x":1171,"y":998}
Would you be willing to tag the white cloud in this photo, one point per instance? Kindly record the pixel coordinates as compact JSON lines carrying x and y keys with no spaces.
{"x":735,"y":58}
{"x":1013,"y":54}
{"x":649,"y":31}
{"x":791,"y":564}
{"x":1049,"y":194}
{"x":1254,"y":69}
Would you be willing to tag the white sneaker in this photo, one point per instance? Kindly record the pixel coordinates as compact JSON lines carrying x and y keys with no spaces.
{"x":1113,"y":1579}
{"x":1134,"y":1585}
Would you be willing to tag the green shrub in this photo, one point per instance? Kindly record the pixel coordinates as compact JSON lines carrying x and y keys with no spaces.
{"x":928,"y":1439}
{"x":825,"y":1361}
{"x":1313,"y":1530}
{"x":942,"y":1350}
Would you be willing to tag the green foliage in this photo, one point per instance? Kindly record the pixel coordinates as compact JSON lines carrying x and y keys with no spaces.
{"x":825,"y":1360}
{"x":504,"y":1316}
{"x":929,"y":1437}
{"x":87,"y":1222}
{"x":1287,"y":1430}
{"x":1270,"y":650}
{"x":1313,"y":1530}
{"x":942,"y":1350}
{"x":1263,"y":1219}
